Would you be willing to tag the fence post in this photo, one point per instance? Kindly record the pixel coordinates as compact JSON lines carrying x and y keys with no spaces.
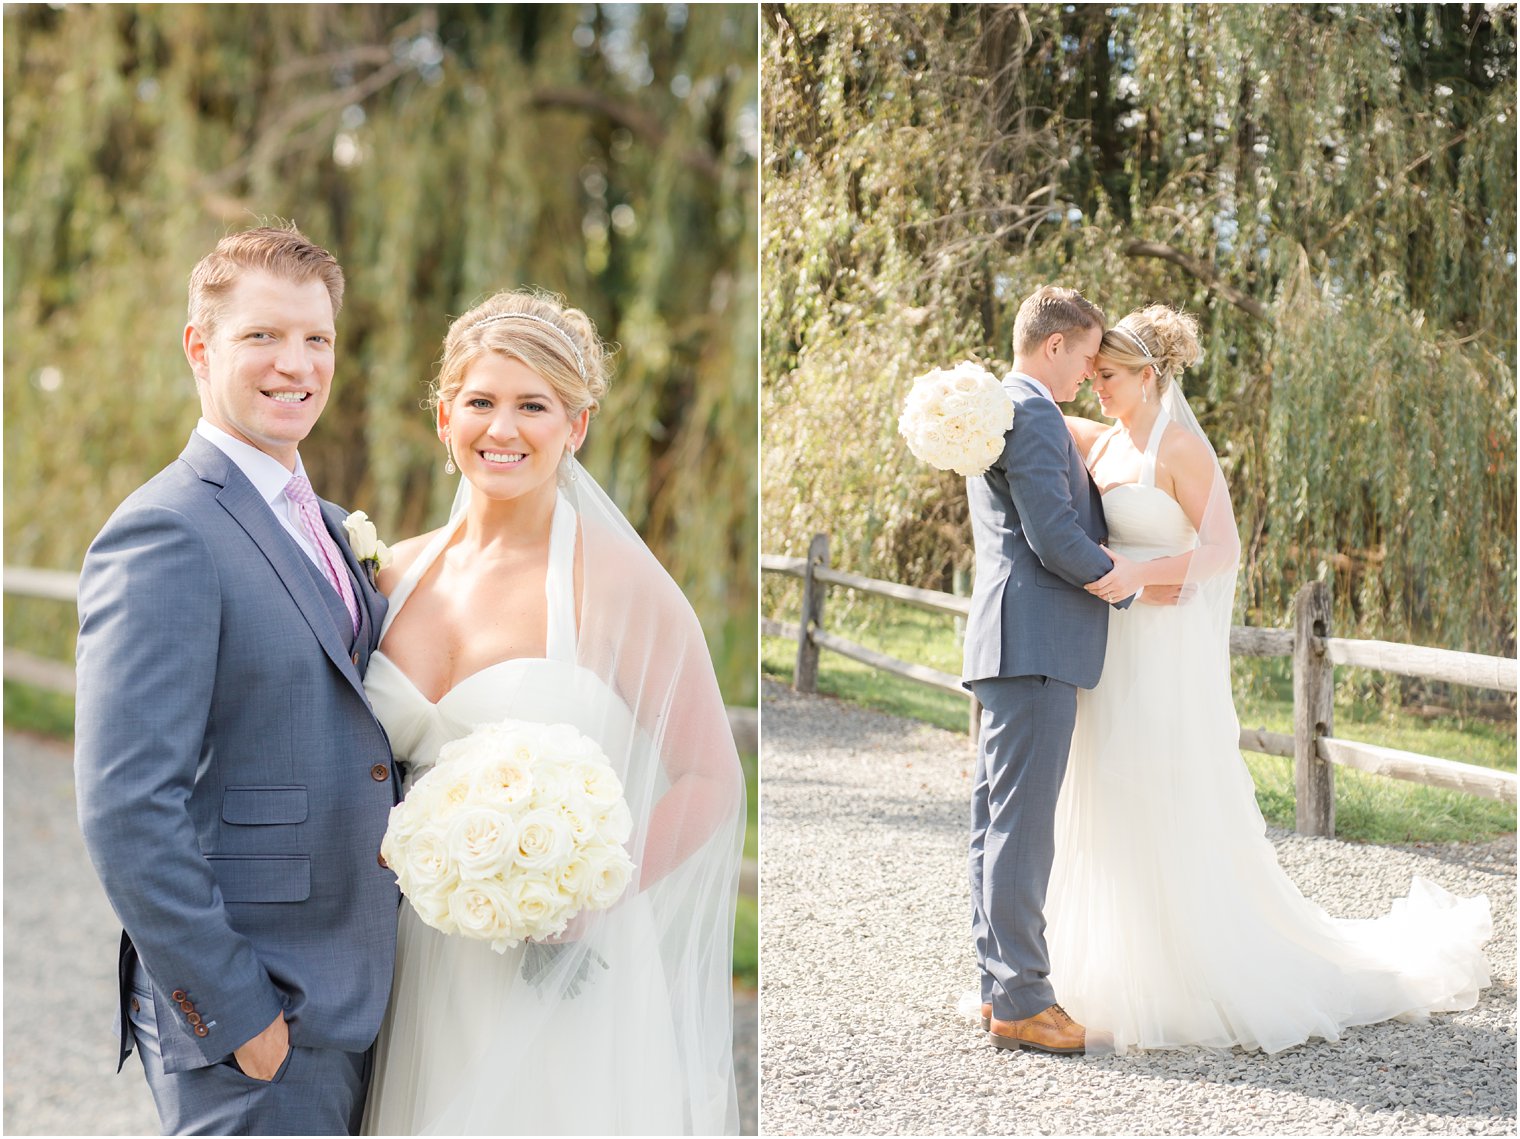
{"x":806,"y":679}
{"x":1313,"y":712}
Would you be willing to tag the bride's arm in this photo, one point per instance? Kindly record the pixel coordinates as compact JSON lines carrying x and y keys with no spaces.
{"x":665,"y":675}
{"x":1202,"y":493}
{"x":1084,"y":433}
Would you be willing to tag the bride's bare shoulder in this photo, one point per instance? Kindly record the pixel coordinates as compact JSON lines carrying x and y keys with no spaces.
{"x":403,"y":554}
{"x":1084,"y":432}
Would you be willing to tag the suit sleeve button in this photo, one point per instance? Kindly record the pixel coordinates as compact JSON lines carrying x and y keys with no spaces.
{"x":384,"y":865}
{"x":194,"y":1018}
{"x":177,"y":995}
{"x":380,"y":773}
{"x":201,"y":1030}
{"x":136,"y":1005}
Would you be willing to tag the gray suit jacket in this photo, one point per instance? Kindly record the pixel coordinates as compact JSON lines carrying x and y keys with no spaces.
{"x":1036,"y":519}
{"x":233,"y":783}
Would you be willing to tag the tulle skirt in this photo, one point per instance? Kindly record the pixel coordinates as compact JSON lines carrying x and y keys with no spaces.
{"x":1170,"y":922}
{"x":472,"y":1047}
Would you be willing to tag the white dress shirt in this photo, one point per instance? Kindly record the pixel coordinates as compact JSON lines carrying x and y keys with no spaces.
{"x":268,"y":476}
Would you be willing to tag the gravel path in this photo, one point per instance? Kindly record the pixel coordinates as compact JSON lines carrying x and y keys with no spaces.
{"x":60,"y":958}
{"x":865,"y":947}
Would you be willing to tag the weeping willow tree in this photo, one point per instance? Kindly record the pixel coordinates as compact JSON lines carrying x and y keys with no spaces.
{"x":1330,"y":188}
{"x":607,"y":153}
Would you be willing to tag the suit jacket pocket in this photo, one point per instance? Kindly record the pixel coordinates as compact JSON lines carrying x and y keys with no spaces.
{"x":262,"y":877}
{"x":263,"y":806}
{"x":1043,"y":577}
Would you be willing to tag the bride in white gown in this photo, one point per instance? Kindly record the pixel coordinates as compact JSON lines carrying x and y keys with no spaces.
{"x":1170,"y":922}
{"x":537,"y":601}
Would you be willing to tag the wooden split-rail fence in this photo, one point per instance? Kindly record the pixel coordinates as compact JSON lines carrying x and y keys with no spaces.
{"x":1313,"y":746}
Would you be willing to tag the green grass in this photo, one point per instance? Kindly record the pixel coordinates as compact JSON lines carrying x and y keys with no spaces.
{"x":33,"y":710}
{"x":747,"y":915}
{"x":747,"y":943}
{"x":1368,"y":808}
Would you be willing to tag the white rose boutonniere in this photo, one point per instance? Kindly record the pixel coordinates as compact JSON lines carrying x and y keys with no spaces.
{"x":955,"y":419}
{"x":373,"y":554}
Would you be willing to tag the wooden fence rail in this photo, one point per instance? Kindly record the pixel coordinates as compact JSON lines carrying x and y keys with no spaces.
{"x":1314,"y":747}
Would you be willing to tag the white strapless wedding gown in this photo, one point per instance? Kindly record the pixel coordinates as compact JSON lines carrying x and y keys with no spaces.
{"x":468,"y":1046}
{"x":1170,"y":922}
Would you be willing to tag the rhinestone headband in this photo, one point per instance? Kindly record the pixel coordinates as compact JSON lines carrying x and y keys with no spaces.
{"x":580,"y":363}
{"x":1135,"y":337}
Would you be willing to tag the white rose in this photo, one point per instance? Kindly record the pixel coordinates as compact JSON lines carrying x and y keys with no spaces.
{"x":553,"y":783}
{"x":503,"y":782}
{"x":427,"y":860}
{"x":599,"y":783}
{"x":566,"y":742}
{"x":447,"y":785}
{"x":580,"y":822}
{"x":365,"y":541}
{"x":482,"y":909}
{"x":400,"y":826}
{"x":543,"y":841}
{"x":611,"y":871}
{"x":538,"y":907}
{"x":482,"y":840}
{"x":615,"y":824}
{"x":574,"y":878}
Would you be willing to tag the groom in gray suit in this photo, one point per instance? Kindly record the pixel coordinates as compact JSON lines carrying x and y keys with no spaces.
{"x":1033,"y":638}
{"x":233,"y":783}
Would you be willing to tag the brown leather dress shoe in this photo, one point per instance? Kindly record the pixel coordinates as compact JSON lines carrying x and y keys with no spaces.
{"x":1048,"y":1031}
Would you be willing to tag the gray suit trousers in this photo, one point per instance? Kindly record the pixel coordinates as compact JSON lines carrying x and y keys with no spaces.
{"x":317,"y":1091}
{"x":1027,"y":723}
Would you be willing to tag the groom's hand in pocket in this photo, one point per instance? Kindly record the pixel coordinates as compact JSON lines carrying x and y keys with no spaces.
{"x":262,"y":1056}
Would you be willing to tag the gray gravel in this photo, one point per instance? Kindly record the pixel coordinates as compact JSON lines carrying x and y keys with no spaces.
{"x":60,"y":958}
{"x":865,"y":947}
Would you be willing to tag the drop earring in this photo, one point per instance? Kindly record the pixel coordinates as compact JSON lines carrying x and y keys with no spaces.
{"x":570,"y":457}
{"x":449,"y":468}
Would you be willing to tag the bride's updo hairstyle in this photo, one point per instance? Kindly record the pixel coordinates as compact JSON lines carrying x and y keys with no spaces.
{"x":558,"y":342}
{"x":1162,"y":337}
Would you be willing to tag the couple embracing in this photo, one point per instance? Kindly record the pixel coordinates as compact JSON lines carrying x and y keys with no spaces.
{"x":1118,"y":859}
{"x":256,"y":692}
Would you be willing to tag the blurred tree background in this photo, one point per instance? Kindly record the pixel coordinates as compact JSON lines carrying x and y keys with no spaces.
{"x":1330,"y":188}
{"x":442,"y":152}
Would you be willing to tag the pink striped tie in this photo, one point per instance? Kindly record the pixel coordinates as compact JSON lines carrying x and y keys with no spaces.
{"x":329,"y":557}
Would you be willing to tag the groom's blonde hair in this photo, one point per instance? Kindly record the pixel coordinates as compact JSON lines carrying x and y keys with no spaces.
{"x":280,"y":250}
{"x":1048,"y":310}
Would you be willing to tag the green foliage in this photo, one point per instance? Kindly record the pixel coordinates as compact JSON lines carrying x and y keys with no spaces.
{"x":1330,"y":188}
{"x":607,"y":153}
{"x":33,"y":710}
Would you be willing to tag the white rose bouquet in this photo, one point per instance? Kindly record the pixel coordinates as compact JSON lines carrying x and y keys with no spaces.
{"x":519,"y":828}
{"x":955,"y":418}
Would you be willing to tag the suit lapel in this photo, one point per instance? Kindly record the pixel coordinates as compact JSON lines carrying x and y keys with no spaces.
{"x":370,"y":601}
{"x":238,"y":497}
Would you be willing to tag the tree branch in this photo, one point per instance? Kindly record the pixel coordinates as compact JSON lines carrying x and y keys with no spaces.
{"x":1203,"y":273}
{"x":642,"y":124}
